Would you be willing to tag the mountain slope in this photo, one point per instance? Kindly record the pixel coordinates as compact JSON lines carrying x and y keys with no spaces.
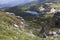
{"x":10,"y":32}
{"x":53,"y":0}
{"x":29,"y":2}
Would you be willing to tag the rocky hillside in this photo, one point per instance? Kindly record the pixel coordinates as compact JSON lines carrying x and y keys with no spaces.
{"x":10,"y":32}
{"x":10,"y":29}
{"x":40,"y":24}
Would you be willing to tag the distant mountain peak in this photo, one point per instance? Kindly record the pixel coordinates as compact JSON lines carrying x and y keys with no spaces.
{"x":29,"y":2}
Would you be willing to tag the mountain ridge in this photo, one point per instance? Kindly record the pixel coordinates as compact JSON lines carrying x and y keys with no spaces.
{"x":30,"y":3}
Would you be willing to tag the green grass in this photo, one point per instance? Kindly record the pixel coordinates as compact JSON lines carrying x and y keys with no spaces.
{"x":10,"y":32}
{"x":55,"y":5}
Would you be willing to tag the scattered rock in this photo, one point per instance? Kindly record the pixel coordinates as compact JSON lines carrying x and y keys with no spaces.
{"x":12,"y":14}
{"x":15,"y":25}
{"x":43,"y":35}
{"x":58,"y":32}
{"x":22,"y":23}
{"x":7,"y":13}
{"x":53,"y":10}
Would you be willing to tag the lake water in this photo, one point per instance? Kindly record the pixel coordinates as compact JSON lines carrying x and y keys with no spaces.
{"x":31,"y":12}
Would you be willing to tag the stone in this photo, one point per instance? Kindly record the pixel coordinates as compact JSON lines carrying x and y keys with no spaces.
{"x":15,"y":25}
